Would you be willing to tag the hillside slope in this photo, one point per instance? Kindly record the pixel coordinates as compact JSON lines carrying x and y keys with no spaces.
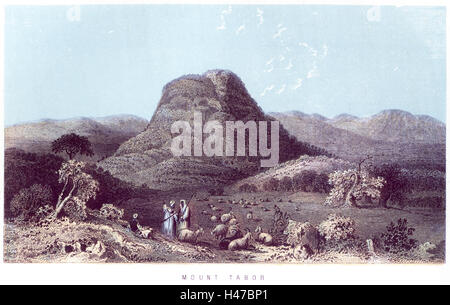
{"x":105,"y":133}
{"x":219,"y":95}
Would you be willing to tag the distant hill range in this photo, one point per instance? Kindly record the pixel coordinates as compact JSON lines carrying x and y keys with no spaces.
{"x":391,"y":135}
{"x":105,"y":133}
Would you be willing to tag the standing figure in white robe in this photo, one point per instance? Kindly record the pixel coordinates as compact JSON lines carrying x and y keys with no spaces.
{"x":170,"y":220}
{"x":185,"y":216}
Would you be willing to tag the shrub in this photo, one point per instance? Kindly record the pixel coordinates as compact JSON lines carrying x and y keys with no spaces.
{"x":111,"y":212}
{"x":304,"y":180}
{"x":26,"y":204}
{"x":337,"y":228}
{"x":320,"y":184}
{"x":285,"y":184}
{"x":397,"y":239}
{"x":248,"y":188}
{"x":271,"y":185}
{"x":22,"y":170}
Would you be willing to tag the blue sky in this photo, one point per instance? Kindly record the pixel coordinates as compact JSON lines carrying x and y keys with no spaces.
{"x":63,"y":62}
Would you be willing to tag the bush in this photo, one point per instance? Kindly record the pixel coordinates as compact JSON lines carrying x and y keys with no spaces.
{"x":397,"y":239}
{"x":22,"y":170}
{"x":285,"y":184}
{"x":111,"y":212}
{"x":320,"y":184}
{"x":271,"y":185}
{"x":304,"y":180}
{"x":337,"y":228}
{"x":248,"y":188}
{"x":26,"y":204}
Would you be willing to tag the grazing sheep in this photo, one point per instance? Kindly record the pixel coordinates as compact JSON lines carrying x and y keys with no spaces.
{"x":264,"y":238}
{"x":213,"y":218}
{"x":233,"y":231}
{"x":189,"y":236}
{"x":216,"y":209}
{"x":240,"y":243}
{"x":220,"y":231}
{"x":226,"y":217}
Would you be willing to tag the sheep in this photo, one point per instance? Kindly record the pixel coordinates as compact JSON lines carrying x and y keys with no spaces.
{"x":147,"y":233}
{"x":233,"y":231}
{"x":219,"y":231}
{"x":264,"y":238}
{"x":249,"y":215}
{"x":213,"y":218}
{"x":189,"y":236}
{"x":232,"y":221}
{"x":226,"y":217}
{"x":216,"y":209}
{"x":240,"y":243}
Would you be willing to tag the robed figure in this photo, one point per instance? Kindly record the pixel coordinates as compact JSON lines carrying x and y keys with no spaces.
{"x":185,"y":216}
{"x":170,"y":220}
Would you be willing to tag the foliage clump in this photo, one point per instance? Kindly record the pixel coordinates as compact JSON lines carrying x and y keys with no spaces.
{"x":352,"y":185}
{"x":397,"y":238}
{"x":337,"y":228}
{"x":29,"y":203}
{"x":110,"y":212}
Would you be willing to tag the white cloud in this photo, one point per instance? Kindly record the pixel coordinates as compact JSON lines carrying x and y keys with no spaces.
{"x":325,"y":50}
{"x":298,"y":84}
{"x":259,"y":14}
{"x":223,"y":25}
{"x":267,"y":89}
{"x":282,"y":58}
{"x":240,"y":29}
{"x":313,"y":72}
{"x":396,"y":69}
{"x":289,"y":66}
{"x":279,"y":32}
{"x":281,"y":90}
{"x":270,"y":61}
{"x":270,"y":69}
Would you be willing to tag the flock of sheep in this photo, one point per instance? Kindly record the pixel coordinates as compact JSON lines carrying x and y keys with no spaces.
{"x":228,"y":231}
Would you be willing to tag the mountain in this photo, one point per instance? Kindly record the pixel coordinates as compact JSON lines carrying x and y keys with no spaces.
{"x":218,"y":95}
{"x":391,"y":135}
{"x":395,"y":126}
{"x":105,"y":133}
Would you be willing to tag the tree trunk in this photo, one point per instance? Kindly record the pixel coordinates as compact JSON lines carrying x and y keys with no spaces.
{"x":349,"y":199}
{"x":383,"y":201}
{"x":61,"y":203}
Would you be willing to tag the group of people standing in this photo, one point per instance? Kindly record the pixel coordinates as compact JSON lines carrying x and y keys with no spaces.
{"x":175,"y":221}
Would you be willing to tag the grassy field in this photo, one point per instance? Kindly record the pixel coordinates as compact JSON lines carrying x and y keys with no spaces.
{"x":28,"y":243}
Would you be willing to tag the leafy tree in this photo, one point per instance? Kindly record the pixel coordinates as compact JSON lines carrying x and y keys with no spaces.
{"x":27,"y":202}
{"x":352,"y":185}
{"x":395,"y":186}
{"x":80,"y":186}
{"x":72,"y":144}
{"x":22,"y":170}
